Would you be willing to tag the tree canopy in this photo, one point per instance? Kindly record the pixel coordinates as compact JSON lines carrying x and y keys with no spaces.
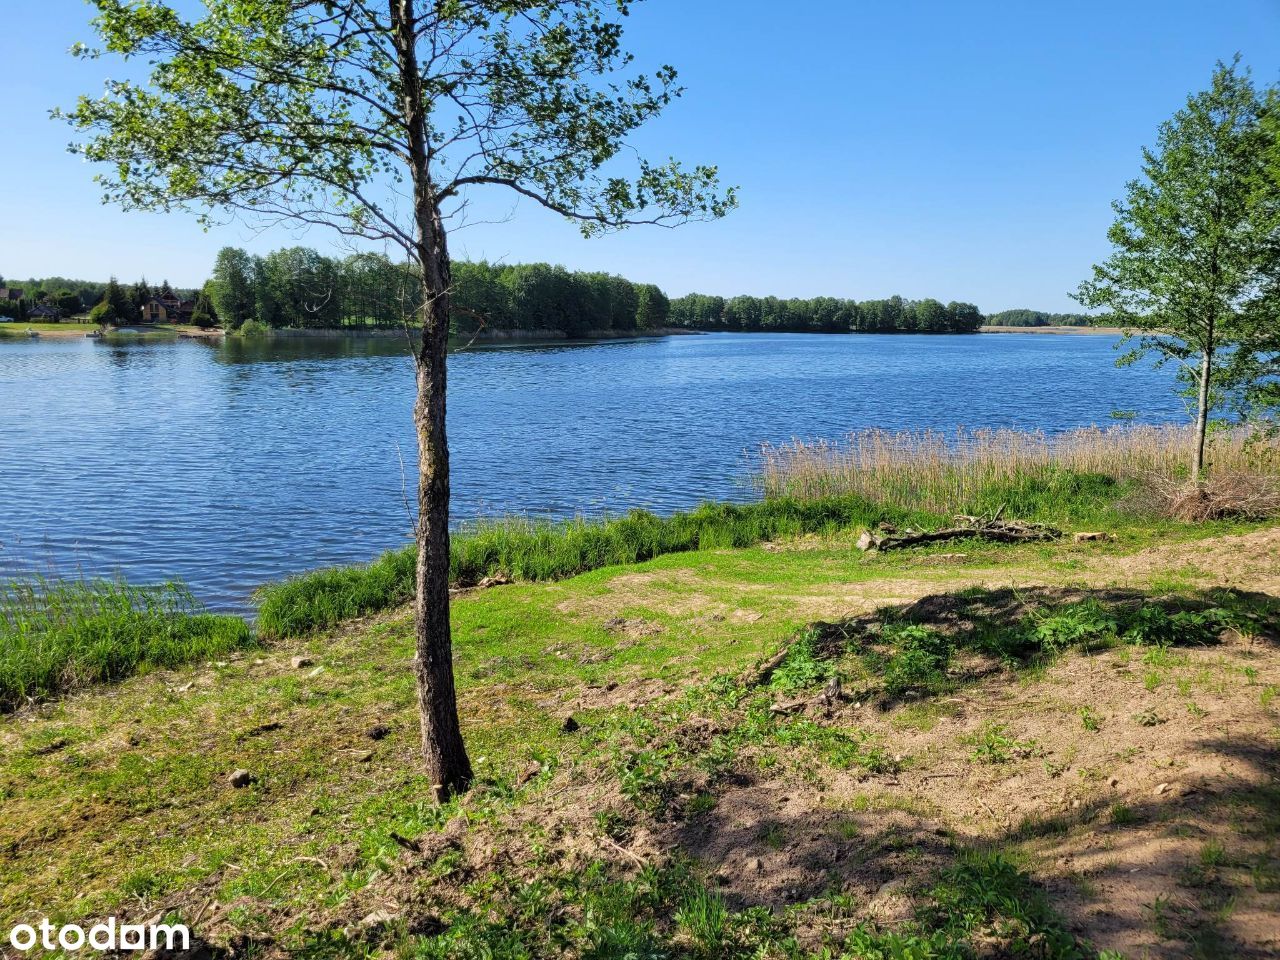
{"x":1194,"y":273}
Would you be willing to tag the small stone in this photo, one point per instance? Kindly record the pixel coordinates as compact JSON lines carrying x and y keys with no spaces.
{"x":528,"y":773}
{"x":1090,"y":536}
{"x":570,"y":725}
{"x":241,"y":778}
{"x":754,"y":865}
{"x":891,"y":903}
{"x":378,"y":918}
{"x":300,"y":662}
{"x":1162,"y":789}
{"x":364,"y":757}
{"x":1075,"y":804}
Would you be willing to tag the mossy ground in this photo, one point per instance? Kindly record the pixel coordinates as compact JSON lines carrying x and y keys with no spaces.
{"x":972,"y":814}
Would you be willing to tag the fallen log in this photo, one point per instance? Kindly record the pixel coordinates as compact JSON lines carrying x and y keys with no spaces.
{"x":968,"y":528}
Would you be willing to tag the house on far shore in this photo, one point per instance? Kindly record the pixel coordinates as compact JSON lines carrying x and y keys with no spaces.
{"x":45,"y":312}
{"x":168,"y":308}
{"x":10,"y":293}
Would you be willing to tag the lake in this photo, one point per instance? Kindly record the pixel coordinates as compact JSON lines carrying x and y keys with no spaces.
{"x":229,"y":464}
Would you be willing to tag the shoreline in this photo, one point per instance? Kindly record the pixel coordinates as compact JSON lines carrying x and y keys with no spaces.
{"x":1052,"y":331}
{"x":73,"y":330}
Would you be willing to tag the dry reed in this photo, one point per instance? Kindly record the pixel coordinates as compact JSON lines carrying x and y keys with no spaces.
{"x":942,"y":473}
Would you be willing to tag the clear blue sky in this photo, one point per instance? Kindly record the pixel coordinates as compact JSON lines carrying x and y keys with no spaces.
{"x":962,"y":151}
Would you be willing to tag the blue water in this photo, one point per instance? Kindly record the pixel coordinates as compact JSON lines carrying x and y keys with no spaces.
{"x":229,"y":464}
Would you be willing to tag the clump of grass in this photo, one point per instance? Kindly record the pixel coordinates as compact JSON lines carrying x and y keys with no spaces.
{"x":993,"y":744}
{"x":1155,"y":626}
{"x":1075,"y":624}
{"x":526,"y":549}
{"x":1077,"y":474}
{"x":57,"y":635}
{"x":323,"y":598}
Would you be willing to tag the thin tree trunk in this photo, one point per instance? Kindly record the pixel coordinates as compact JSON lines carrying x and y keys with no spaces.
{"x":443,"y":752}
{"x":1202,"y":415}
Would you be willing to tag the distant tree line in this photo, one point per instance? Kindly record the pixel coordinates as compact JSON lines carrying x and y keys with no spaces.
{"x":699,"y":311}
{"x":1037,"y":318}
{"x":70,"y":297}
{"x":299,"y":287}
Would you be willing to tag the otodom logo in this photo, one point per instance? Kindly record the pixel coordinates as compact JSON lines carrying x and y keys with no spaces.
{"x":106,"y":936}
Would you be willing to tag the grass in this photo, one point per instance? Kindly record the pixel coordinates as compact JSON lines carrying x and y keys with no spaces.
{"x":1081,"y":475}
{"x":117,"y":801}
{"x":532,"y":550}
{"x":20,"y":327}
{"x":70,"y":327}
{"x":59,"y":635}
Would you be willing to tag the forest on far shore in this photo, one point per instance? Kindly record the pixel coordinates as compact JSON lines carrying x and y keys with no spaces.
{"x":300,"y":288}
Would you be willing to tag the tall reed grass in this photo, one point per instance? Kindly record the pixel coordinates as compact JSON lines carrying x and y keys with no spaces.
{"x":973,"y":471}
{"x":56,"y":635}
{"x":527,"y":549}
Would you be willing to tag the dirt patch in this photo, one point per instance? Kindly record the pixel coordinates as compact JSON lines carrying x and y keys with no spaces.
{"x":1248,"y":561}
{"x":632,"y":693}
{"x":634,"y":628}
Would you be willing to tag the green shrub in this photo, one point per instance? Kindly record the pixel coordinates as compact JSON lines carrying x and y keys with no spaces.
{"x":103,"y":314}
{"x":1073,"y":625}
{"x":920,"y":662}
{"x":804,"y":665}
{"x":254,"y":328}
{"x":1154,"y":626}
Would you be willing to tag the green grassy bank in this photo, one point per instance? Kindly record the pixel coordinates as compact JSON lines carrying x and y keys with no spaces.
{"x":536,"y":550}
{"x":59,"y":635}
